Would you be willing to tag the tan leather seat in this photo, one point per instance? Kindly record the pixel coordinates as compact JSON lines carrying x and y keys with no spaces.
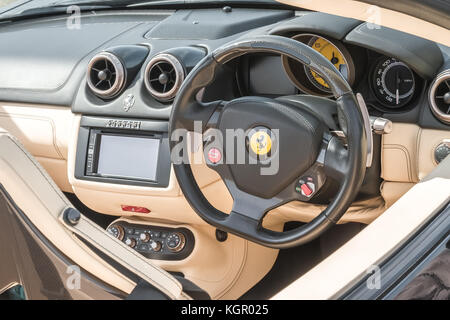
{"x":33,"y":191}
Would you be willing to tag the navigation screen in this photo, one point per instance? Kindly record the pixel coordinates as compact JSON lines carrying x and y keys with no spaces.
{"x":128,"y":157}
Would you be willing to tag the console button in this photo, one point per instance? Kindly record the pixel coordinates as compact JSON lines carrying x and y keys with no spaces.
{"x":155,"y":245}
{"x":130,"y":242}
{"x":214,"y":155}
{"x":144,"y":237}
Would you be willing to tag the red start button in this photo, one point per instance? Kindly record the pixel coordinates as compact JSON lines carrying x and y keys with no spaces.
{"x":214,"y":155}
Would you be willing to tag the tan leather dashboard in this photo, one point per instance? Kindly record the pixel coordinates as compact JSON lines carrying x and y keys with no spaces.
{"x":44,"y":131}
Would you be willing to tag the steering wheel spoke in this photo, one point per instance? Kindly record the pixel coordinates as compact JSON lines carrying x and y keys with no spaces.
{"x":252,"y":206}
{"x":201,"y":115}
{"x":335,"y":161}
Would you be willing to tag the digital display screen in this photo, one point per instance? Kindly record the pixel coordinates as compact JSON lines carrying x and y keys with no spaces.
{"x":128,"y":157}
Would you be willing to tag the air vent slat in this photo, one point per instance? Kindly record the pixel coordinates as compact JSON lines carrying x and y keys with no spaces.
{"x":105,"y":75}
{"x":163,"y":76}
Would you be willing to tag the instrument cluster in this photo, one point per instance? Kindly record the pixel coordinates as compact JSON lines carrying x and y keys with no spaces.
{"x":387,"y":84}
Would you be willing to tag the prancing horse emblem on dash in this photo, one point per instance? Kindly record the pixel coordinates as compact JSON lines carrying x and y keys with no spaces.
{"x":260,"y":140}
{"x":128,"y":102}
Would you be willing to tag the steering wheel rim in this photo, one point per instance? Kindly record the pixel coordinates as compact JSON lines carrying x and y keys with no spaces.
{"x":345,"y":163}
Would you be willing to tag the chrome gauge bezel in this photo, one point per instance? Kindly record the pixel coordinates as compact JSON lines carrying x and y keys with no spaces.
{"x":407,"y":97}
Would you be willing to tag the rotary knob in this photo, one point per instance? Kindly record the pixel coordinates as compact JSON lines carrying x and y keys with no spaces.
{"x":176,"y":241}
{"x":156,"y":246}
{"x":130,"y":242}
{"x":145,"y":237}
{"x":442,"y":150}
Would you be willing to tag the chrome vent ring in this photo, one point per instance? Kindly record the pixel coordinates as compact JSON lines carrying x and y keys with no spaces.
{"x":163,"y":77}
{"x":439,"y":96}
{"x":106,"y":75}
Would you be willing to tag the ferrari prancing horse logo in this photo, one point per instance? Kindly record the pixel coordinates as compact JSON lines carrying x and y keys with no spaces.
{"x":260,"y":141}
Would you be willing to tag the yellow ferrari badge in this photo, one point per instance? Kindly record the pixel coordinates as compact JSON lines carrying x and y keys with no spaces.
{"x":260,"y":142}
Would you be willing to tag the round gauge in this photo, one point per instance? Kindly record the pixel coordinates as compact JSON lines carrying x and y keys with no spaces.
{"x":308,"y":80}
{"x":393,"y":83}
{"x":332,"y":53}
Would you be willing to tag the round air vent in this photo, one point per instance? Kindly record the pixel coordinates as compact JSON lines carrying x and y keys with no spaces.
{"x":440,"y":96}
{"x":105,"y":75}
{"x":164,"y":75}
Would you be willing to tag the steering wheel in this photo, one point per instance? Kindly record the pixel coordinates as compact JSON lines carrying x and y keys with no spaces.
{"x":269,"y":130}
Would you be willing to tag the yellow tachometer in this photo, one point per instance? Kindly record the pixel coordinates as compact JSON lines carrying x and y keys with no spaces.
{"x":333,"y":54}
{"x":311,"y":82}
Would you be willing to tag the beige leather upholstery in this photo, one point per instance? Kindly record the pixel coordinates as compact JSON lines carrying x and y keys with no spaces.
{"x":44,"y":131}
{"x":407,"y":155}
{"x":345,"y":267}
{"x":392,"y":191}
{"x":399,"y":153}
{"x":43,"y":203}
{"x":364,"y":211}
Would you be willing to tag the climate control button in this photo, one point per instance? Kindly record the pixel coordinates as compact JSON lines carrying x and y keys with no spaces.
{"x":130,"y":242}
{"x":156,"y":246}
{"x":145,"y":237}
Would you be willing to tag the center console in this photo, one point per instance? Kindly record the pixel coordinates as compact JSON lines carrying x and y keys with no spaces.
{"x":123,"y":151}
{"x":154,"y":242}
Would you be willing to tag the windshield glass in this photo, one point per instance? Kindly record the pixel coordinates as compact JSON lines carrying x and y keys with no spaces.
{"x":16,"y":8}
